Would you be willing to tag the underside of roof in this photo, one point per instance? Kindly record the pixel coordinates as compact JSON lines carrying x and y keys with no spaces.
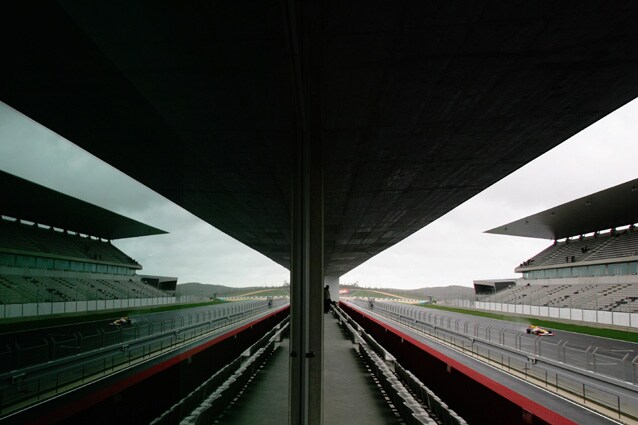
{"x":29,"y":201}
{"x":420,"y":105}
{"x":607,"y":209}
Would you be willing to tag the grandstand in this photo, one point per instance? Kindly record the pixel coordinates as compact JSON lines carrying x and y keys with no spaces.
{"x":592,"y":263}
{"x":609,"y":248}
{"x":45,"y":268}
{"x":28,"y":242}
{"x":319,"y":134}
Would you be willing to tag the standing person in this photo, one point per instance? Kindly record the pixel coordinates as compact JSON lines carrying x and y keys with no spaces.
{"x":326,"y":299}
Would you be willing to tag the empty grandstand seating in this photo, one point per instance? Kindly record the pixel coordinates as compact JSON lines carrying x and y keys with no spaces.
{"x":592,"y":296}
{"x":66,"y":267}
{"x":623,"y":244}
{"x":13,"y":236}
{"x":520,"y":294}
{"x":10,"y":293}
{"x":614,"y":245}
{"x":16,"y":289}
{"x":37,"y":240}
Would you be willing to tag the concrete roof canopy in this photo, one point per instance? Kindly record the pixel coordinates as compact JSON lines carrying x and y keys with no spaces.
{"x":29,"y":201}
{"x":419,"y":105}
{"x":606,"y":209}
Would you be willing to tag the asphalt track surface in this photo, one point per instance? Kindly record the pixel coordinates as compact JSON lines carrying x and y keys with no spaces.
{"x":563,"y":407}
{"x":604,"y":356}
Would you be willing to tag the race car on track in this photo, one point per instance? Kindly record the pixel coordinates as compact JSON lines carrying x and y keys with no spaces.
{"x":531,"y":329}
{"x":121,"y":321}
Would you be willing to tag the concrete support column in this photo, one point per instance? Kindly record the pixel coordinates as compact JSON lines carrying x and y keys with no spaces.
{"x":306,"y":338}
{"x":305,"y":27}
{"x":333,"y":283}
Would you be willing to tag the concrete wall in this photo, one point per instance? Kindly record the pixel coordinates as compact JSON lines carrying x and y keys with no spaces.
{"x":333,"y":283}
{"x":460,"y":303}
{"x":43,"y":309}
{"x":595,"y":316}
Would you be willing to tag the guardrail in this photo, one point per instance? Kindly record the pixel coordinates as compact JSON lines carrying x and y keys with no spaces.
{"x":394,"y":378}
{"x":508,"y":351}
{"x":22,"y":387}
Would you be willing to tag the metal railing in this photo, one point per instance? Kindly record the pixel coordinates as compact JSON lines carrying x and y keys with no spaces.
{"x":536,"y":360}
{"x":104,"y":353}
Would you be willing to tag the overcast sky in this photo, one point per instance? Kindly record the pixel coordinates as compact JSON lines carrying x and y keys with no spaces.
{"x":452,"y":250}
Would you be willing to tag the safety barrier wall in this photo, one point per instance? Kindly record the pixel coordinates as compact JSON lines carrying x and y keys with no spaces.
{"x":617,"y":318}
{"x":8,"y":311}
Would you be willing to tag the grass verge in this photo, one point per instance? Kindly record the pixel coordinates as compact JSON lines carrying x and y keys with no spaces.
{"x":570,"y":327}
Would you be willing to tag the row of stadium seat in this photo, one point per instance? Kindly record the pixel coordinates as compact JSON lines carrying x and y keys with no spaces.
{"x":590,"y":248}
{"x":408,"y":408}
{"x":590,"y":296}
{"x":431,"y":400}
{"x":17,"y":289}
{"x":36,"y":240}
{"x":396,"y":380}
{"x":204,"y":404}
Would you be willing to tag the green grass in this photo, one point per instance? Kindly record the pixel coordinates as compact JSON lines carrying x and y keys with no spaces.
{"x":548,"y":324}
{"x":27,"y":323}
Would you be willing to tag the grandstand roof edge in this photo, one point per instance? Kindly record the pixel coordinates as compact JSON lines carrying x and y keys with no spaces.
{"x":25,"y":200}
{"x":609,"y":208}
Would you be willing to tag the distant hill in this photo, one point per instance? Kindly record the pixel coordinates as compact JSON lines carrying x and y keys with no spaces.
{"x":371,"y":293}
{"x":437,"y":293}
{"x":207,"y":290}
{"x":264,"y":292}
